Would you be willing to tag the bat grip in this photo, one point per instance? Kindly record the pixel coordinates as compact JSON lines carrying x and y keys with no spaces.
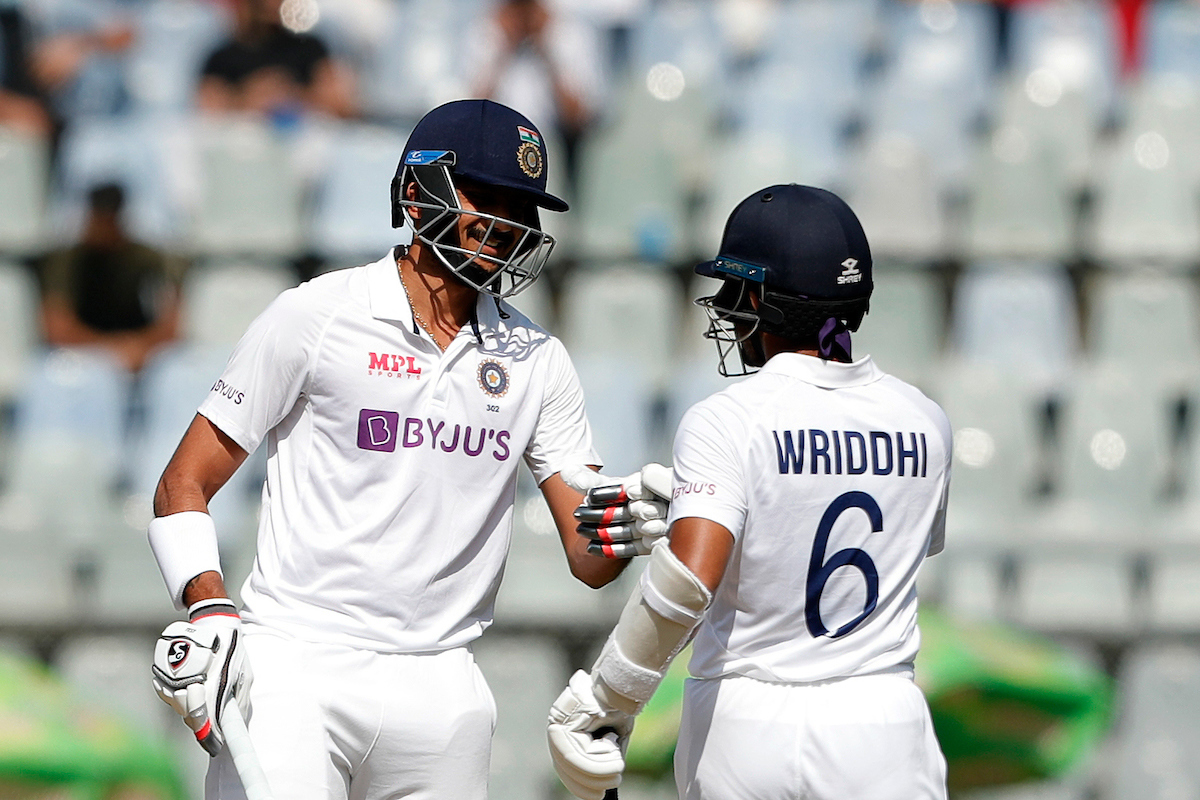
{"x":245,"y":760}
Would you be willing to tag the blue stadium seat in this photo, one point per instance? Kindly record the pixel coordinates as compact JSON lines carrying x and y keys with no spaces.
{"x":352,"y":221}
{"x":137,"y":152}
{"x":1018,"y":316}
{"x":174,"y":37}
{"x":1068,"y":48}
{"x":936,"y":80}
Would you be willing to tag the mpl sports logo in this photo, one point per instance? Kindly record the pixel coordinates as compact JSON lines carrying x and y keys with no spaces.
{"x":851,"y":273}
{"x":393,"y":366}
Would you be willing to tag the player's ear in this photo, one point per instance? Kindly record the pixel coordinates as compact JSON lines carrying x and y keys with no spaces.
{"x":411,"y":193}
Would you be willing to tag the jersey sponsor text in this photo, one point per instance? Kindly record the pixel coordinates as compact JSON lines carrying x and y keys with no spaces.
{"x":818,"y":452}
{"x":225,"y":390}
{"x":472,"y":441}
{"x":393,"y":366}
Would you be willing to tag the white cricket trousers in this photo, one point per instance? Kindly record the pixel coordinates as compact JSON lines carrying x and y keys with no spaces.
{"x":862,"y":738}
{"x":336,"y":723}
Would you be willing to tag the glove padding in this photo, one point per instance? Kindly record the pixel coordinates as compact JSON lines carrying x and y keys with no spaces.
{"x":623,"y":517}
{"x":587,"y":741}
{"x":198,"y":667}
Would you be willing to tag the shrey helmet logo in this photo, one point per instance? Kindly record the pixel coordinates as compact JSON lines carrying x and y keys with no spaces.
{"x":851,"y":273}
{"x":493,"y":378}
{"x":177,"y":653}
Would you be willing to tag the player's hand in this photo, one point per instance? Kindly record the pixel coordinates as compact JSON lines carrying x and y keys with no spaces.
{"x":587,"y":741}
{"x":198,"y":667}
{"x":623,"y":517}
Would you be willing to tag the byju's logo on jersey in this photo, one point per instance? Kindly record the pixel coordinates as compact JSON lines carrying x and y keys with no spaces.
{"x":493,"y":378}
{"x":378,"y":430}
{"x":177,"y":653}
{"x":851,"y":273}
{"x":393,"y":366}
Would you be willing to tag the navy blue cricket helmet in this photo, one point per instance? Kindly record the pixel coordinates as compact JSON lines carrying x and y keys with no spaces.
{"x":802,"y":253}
{"x":488,"y":143}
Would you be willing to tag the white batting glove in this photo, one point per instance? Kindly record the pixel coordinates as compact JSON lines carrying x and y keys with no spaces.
{"x":199,"y":666}
{"x":622,"y":517}
{"x":587,"y":740}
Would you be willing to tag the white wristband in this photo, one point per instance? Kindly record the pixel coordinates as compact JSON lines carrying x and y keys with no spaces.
{"x":184,"y":545}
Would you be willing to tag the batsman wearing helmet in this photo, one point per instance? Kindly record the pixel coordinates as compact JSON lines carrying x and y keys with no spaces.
{"x":805,"y":499}
{"x":396,"y":401}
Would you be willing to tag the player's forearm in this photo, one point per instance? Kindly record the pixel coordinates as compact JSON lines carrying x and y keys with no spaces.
{"x":595,"y":571}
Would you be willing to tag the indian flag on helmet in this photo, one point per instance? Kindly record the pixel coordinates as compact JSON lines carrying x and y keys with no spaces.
{"x":529,"y":136}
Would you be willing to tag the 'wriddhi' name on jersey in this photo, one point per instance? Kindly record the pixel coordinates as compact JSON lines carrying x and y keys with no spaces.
{"x":820,"y":452}
{"x":225,"y":390}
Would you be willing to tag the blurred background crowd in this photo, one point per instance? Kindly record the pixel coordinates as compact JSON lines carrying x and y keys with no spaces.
{"x":1028,"y":174}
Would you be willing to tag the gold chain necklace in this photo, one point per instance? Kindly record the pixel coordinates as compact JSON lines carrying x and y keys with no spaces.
{"x":417,"y":314}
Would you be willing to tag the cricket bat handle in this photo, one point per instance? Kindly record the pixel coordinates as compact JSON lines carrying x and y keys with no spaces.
{"x":245,"y":760}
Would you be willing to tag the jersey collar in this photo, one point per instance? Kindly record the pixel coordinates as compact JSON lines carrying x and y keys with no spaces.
{"x":822,"y":373}
{"x":387,"y":297}
{"x":390,"y":302}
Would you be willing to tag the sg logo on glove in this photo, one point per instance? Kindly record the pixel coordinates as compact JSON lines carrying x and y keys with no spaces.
{"x":177,"y":653}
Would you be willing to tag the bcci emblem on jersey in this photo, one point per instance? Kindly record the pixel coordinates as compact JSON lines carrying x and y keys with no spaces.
{"x":493,"y":378}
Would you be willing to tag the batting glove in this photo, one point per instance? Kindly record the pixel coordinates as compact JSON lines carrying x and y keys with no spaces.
{"x":587,"y":740}
{"x":199,"y":666}
{"x":623,"y":517}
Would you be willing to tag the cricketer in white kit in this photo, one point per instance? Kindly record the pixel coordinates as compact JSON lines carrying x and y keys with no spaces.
{"x":396,"y":401}
{"x":805,"y":499}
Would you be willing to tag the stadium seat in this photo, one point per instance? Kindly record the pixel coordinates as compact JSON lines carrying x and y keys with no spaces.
{"x":399,"y":84}
{"x":1156,"y":738}
{"x":1168,"y":104}
{"x":1087,"y":591}
{"x":935,"y":81}
{"x":754,"y":159}
{"x":174,"y":37}
{"x":1115,"y":458}
{"x":622,"y":355}
{"x":1171,"y":39}
{"x":998,"y":455}
{"x":139,"y":153}
{"x":1067,"y":47}
{"x":1130,"y":308}
{"x":249,"y":202}
{"x":1146,"y":206}
{"x":221,"y":298}
{"x":1018,"y":316}
{"x":1050,"y":117}
{"x":25,"y":165}
{"x":1020,"y":203}
{"x":824,"y":45}
{"x":897,"y":197}
{"x":352,"y":221}
{"x":904,"y":329}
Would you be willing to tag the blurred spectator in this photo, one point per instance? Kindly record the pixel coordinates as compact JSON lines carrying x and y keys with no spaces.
{"x":547,"y":63}
{"x":268,"y":68}
{"x":21,"y":106}
{"x":109,"y":290}
{"x":78,"y":57}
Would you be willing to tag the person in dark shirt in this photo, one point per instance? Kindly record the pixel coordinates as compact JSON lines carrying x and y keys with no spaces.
{"x":22,"y":106}
{"x":267,"y":68}
{"x":109,"y":290}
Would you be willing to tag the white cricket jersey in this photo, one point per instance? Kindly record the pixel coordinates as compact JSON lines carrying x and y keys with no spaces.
{"x":391,"y":466}
{"x":832,"y":479}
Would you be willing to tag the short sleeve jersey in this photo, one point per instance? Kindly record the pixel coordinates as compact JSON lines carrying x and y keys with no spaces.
{"x":833,"y":480}
{"x":391,"y":466}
